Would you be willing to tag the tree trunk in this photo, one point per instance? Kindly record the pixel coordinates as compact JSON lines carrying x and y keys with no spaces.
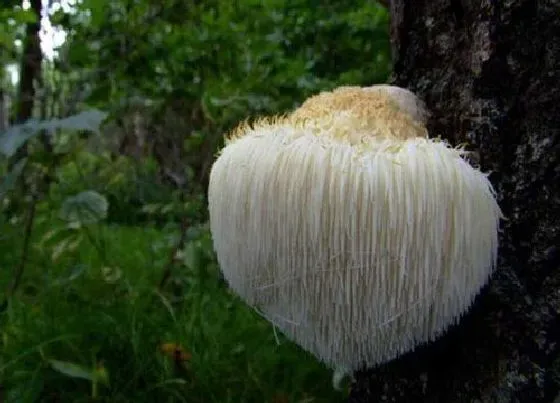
{"x":30,"y":72}
{"x":30,"y":66}
{"x":490,"y":73}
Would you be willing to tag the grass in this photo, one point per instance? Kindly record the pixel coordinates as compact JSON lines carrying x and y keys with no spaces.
{"x":88,"y":324}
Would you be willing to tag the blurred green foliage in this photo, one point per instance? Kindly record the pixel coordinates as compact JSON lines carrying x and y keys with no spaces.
{"x":110,"y":226}
{"x":175,"y":76}
{"x":236,"y":57}
{"x":12,"y":28}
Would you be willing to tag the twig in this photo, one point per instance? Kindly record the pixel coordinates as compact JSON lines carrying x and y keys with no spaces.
{"x":168,"y":269}
{"x":25,"y":253}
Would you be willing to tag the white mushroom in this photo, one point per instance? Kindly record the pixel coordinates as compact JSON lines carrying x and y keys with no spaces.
{"x":349,"y":229}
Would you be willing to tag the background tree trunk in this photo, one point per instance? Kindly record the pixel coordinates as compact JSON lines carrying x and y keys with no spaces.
{"x":30,"y":71}
{"x":490,"y":73}
{"x":30,"y":66}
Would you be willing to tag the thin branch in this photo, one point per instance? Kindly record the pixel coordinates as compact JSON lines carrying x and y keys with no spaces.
{"x":25,"y":253}
{"x":168,"y":269}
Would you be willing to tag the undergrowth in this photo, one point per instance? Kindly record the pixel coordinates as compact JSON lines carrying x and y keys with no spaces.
{"x":90,"y":323}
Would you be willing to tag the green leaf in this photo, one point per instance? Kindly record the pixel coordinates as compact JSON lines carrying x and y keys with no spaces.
{"x":111,"y":274}
{"x":66,"y":245}
{"x":191,"y":256}
{"x":59,"y":249}
{"x":86,"y":208}
{"x":89,"y":120}
{"x":71,"y":370}
{"x":16,"y":136}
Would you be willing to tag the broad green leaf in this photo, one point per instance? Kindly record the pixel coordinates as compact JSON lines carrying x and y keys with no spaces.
{"x":85,"y":207}
{"x":59,"y":249}
{"x":72,"y":370}
{"x":89,"y":120}
{"x":16,"y":136}
{"x":48,"y":236}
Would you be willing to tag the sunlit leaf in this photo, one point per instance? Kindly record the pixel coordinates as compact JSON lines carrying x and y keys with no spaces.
{"x":111,"y":274}
{"x":59,"y":249}
{"x":69,"y":244}
{"x":47,"y":236}
{"x":71,"y":370}
{"x":191,"y":256}
{"x":86,"y":207}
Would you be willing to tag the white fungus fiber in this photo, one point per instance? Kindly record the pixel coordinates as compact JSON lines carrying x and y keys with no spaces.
{"x":349,"y":229}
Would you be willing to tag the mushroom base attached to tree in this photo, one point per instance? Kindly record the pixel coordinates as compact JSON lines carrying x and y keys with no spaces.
{"x":349,"y":229}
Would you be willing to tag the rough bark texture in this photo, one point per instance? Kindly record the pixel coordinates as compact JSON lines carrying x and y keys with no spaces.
{"x":490,"y":73}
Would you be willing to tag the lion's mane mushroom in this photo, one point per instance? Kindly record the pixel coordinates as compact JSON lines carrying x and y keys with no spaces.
{"x":350,"y":229}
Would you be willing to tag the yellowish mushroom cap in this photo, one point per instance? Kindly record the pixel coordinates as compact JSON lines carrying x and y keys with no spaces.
{"x":378,"y":111}
{"x":349,"y":229}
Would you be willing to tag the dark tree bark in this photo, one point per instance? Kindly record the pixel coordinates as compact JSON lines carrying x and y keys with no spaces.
{"x":30,"y":66}
{"x":490,"y":73}
{"x":30,"y":71}
{"x":3,"y":111}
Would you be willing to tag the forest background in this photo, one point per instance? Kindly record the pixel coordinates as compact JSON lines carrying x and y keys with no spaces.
{"x":111,"y":114}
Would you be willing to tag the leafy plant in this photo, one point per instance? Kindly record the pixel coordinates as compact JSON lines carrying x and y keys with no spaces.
{"x":42,"y":162}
